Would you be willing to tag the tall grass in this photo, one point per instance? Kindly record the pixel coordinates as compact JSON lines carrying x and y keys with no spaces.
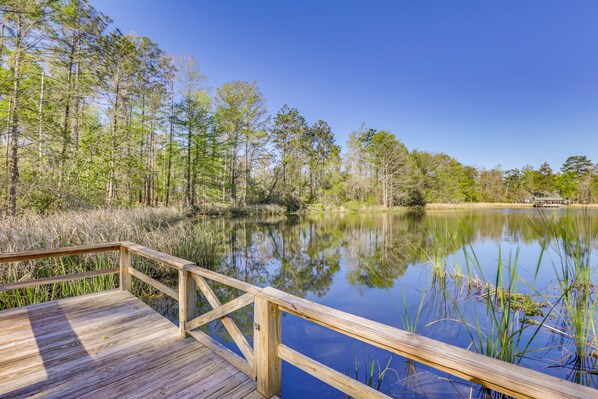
{"x":162,"y":229}
{"x":505,"y":323}
{"x":572,"y":243}
{"x":503,"y":334}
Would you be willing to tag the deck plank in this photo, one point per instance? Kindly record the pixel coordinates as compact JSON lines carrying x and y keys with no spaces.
{"x":108,"y":345}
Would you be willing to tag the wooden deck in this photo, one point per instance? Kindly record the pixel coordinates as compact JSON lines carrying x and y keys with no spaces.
{"x":111,"y":345}
{"x":108,"y":345}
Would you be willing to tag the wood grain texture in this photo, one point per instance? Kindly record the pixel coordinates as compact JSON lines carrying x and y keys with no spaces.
{"x":157,"y":256}
{"x":56,"y":279}
{"x":223,"y":310}
{"x":58,"y":252}
{"x":500,"y":376}
{"x":342,"y":382}
{"x":267,"y":337}
{"x":108,"y":345}
{"x":228,"y":323}
{"x":224,"y":352}
{"x":187,"y":300}
{"x":231,"y":282}
{"x":171,"y":292}
{"x":124,"y":267}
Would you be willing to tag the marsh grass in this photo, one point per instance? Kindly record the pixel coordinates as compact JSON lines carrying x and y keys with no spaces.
{"x":373,"y":372}
{"x":503,"y":334}
{"x":572,"y":243}
{"x":163,"y":229}
{"x":506,"y":322}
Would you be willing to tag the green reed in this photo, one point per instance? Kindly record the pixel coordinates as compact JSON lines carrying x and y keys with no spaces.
{"x":573,"y":243}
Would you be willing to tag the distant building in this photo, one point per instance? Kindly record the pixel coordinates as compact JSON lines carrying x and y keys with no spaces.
{"x":549,"y":202}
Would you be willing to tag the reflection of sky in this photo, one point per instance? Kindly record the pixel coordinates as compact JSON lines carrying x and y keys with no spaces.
{"x":495,"y":233}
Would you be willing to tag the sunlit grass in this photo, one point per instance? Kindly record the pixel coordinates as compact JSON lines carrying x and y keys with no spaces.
{"x":157,"y":228}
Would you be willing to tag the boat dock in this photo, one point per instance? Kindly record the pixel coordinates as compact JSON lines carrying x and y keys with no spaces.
{"x":111,"y":345}
{"x":549,"y":202}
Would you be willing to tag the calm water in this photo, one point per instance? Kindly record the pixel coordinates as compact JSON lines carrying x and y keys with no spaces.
{"x":381,"y":266}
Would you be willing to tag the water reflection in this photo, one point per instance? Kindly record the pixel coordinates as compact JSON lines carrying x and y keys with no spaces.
{"x":302,"y":255}
{"x":425,"y":273}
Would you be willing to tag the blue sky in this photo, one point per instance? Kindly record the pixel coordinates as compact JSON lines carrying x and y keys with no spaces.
{"x":487,"y":82}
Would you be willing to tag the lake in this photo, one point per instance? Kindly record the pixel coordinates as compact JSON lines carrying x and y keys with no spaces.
{"x":445,"y":275}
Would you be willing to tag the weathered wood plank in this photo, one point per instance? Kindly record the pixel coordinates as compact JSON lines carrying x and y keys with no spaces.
{"x":330,"y":376}
{"x":56,"y":279}
{"x":492,"y":373}
{"x":111,"y":370}
{"x":189,"y":378}
{"x":58,"y":252}
{"x":171,"y":292}
{"x":228,"y":323}
{"x":127,"y":351}
{"x":157,"y":256}
{"x":72,"y":301}
{"x":215,"y":314}
{"x":55,"y":343}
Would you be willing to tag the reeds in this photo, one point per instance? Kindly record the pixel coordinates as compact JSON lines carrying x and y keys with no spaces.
{"x":506,"y":323}
{"x":162,"y":229}
{"x":573,"y":244}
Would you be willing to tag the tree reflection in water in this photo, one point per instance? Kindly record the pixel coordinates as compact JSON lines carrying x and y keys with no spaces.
{"x":328,"y":255}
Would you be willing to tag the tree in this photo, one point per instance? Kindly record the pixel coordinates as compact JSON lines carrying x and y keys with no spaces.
{"x":491,"y":185}
{"x":578,"y":165}
{"x":23,"y":24}
{"x":321,"y":152}
{"x":394,"y":171}
{"x":545,"y":179}
{"x":288,"y":133}
{"x":193,"y":116}
{"x":513,"y":183}
{"x":117,"y":70}
{"x":242,"y":115}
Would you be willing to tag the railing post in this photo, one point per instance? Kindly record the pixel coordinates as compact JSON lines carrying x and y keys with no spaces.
{"x":187,"y":300}
{"x":125,"y":264}
{"x":267,"y":337}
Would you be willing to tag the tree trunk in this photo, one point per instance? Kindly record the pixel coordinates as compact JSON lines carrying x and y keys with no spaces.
{"x":41,"y":120}
{"x":14,"y":127}
{"x":170,"y":139}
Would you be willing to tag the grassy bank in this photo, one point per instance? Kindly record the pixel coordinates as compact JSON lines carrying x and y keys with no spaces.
{"x":476,"y":205}
{"x":356,"y":207}
{"x":496,"y":205}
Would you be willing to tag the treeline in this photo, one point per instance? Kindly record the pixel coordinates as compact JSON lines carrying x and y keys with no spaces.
{"x":92,"y":117}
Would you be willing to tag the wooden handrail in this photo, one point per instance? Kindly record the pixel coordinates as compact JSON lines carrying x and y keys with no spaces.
{"x":171,"y":292}
{"x":497,"y":375}
{"x":222,"y":311}
{"x":222,"y":279}
{"x":56,"y":279}
{"x":58,"y":252}
{"x":268,"y":351}
{"x":157,"y":256}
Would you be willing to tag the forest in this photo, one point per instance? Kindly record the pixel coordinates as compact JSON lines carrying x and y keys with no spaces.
{"x":93,"y":118}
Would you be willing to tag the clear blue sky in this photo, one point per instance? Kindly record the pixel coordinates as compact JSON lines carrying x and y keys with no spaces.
{"x":488,"y":82}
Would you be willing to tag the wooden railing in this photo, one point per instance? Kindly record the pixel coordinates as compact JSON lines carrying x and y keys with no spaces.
{"x":263,"y":361}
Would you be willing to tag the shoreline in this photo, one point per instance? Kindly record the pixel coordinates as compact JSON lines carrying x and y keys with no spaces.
{"x":499,"y":205}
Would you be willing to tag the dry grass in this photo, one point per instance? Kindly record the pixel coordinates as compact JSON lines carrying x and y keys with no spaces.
{"x":32,"y":231}
{"x":477,"y":205}
{"x":162,"y":229}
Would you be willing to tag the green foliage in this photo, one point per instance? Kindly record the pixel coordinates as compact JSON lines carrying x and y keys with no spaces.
{"x":98,"y":118}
